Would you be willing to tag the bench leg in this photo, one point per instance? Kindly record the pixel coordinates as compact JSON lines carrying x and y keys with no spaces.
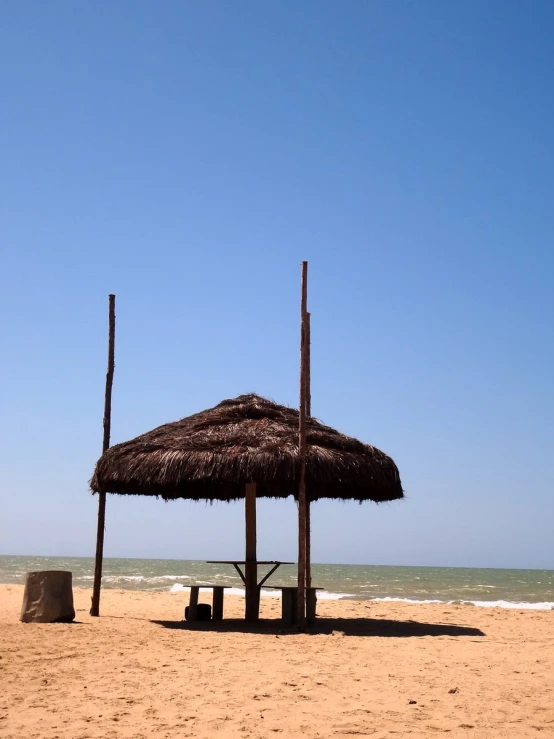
{"x":311,"y":602}
{"x":289,"y":606}
{"x":217,"y":609}
{"x":193,"y":602}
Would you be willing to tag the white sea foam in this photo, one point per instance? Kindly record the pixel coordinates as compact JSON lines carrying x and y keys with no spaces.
{"x":523,"y":606}
{"x":137,"y":578}
{"x":178,"y":588}
{"x":323,"y":595}
{"x":405,"y":600}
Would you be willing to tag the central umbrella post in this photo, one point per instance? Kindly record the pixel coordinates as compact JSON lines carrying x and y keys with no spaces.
{"x":252,"y":593}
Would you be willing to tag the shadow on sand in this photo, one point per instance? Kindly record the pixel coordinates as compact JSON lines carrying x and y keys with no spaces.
{"x":337,"y":626}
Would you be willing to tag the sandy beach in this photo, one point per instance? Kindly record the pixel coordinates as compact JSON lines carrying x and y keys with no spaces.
{"x":369,"y":669}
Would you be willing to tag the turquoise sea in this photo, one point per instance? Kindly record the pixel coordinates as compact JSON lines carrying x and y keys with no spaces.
{"x":533,"y":589}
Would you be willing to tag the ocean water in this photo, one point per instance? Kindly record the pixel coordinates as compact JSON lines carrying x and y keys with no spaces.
{"x":521,"y":589}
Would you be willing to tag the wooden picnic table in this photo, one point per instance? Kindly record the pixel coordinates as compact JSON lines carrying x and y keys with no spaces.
{"x":250,"y":579}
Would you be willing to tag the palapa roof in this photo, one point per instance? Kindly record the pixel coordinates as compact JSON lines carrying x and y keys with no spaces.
{"x":212,"y":454}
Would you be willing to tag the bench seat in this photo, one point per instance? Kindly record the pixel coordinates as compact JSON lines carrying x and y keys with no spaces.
{"x":217,"y":600}
{"x":289,"y":603}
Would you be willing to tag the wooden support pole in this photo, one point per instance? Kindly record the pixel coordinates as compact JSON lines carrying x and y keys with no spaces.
{"x":217,"y":610}
{"x":193,"y":603}
{"x":308,"y":365}
{"x":308,"y":416}
{"x":95,"y":605}
{"x":252,"y":593}
{"x":311,"y":605}
{"x":289,"y":608}
{"x":302,"y":456}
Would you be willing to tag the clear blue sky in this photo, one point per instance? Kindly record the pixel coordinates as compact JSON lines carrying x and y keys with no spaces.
{"x":187,"y":157}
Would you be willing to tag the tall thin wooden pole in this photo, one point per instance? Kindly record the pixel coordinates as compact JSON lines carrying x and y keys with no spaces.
{"x":95,"y":606}
{"x":308,"y":416}
{"x":308,"y":365}
{"x":251,"y":594}
{"x":302,"y":455}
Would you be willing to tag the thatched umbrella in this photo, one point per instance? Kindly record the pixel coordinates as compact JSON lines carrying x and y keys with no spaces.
{"x":246,"y":448}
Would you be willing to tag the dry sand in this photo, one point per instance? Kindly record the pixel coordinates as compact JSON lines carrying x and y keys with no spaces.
{"x":379,"y":669}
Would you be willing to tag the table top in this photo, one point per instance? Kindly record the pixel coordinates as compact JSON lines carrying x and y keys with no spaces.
{"x":243,"y":562}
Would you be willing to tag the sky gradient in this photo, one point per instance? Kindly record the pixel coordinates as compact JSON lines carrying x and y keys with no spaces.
{"x":188,"y":157}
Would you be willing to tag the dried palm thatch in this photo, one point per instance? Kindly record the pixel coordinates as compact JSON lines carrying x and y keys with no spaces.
{"x":212,"y":454}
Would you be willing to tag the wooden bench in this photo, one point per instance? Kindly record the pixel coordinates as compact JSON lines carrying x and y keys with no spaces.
{"x":217,"y":600}
{"x":289,"y":603}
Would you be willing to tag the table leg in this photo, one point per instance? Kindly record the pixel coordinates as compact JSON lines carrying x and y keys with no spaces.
{"x":252,"y":599}
{"x":193,"y":602}
{"x":311,"y":602}
{"x":289,"y":606}
{"x":217,"y":612}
